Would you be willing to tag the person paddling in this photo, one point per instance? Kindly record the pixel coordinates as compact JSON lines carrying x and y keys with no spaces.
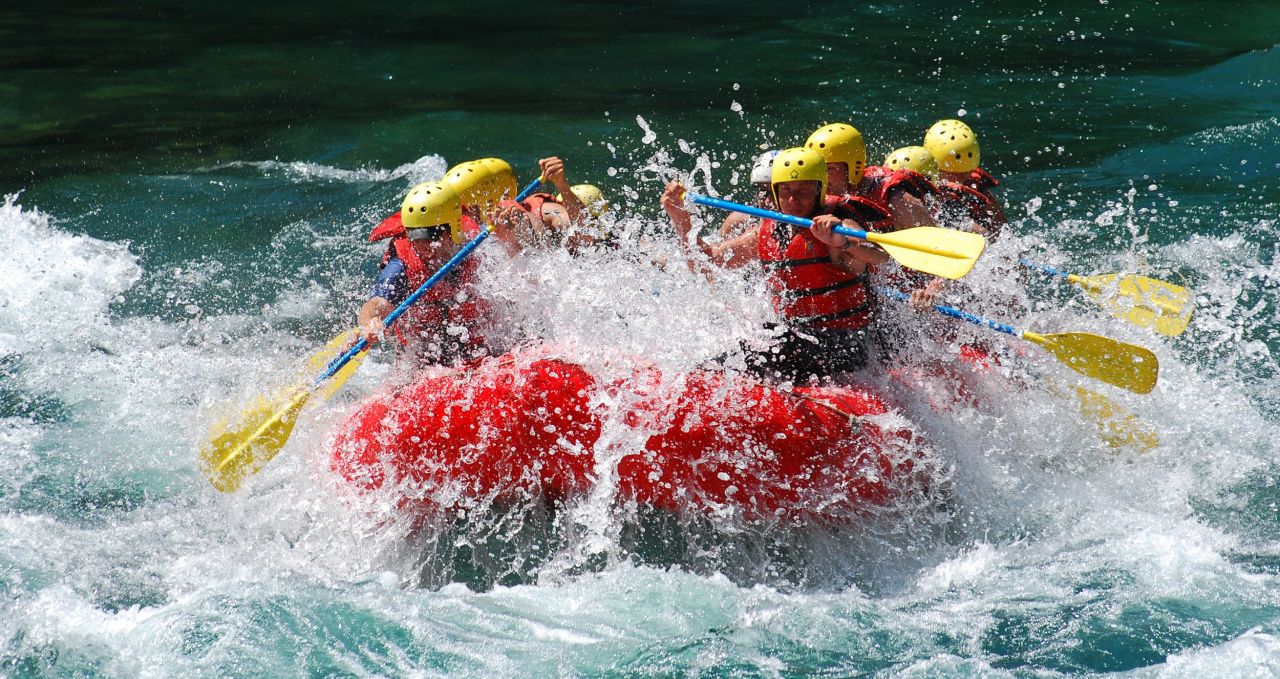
{"x":448,"y":324}
{"x":479,"y":184}
{"x":543,"y":220}
{"x":591,"y":227}
{"x":964,"y":188}
{"x":898,"y":195}
{"x":818,"y":278}
{"x":890,"y":199}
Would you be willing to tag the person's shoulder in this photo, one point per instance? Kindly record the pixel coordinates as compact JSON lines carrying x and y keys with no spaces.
{"x":856,"y":208}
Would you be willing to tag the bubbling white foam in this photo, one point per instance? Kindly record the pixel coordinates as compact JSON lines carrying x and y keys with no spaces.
{"x":56,"y":287}
{"x":427,"y":168}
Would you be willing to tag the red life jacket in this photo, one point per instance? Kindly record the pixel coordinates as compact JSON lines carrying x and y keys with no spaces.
{"x":880,"y":183}
{"x":451,"y":301}
{"x":391,"y":227}
{"x":862,"y":210}
{"x":982,"y":181}
{"x":808,"y":288}
{"x":972,"y":199}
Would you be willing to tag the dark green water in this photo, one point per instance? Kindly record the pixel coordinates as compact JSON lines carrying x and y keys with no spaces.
{"x":92,"y":89}
{"x":193,"y":187}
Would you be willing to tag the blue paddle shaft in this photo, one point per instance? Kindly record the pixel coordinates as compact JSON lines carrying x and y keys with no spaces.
{"x":770,"y":214}
{"x":528,"y":190}
{"x":336,"y":364}
{"x":1045,"y":268}
{"x":956,"y":313}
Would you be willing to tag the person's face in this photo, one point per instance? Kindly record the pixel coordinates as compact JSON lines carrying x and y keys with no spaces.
{"x":763,"y":197}
{"x":837,"y":176}
{"x":439,"y":241}
{"x":799,"y":198}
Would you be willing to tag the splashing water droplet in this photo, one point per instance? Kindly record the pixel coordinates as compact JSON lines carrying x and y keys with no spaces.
{"x":649,"y":135}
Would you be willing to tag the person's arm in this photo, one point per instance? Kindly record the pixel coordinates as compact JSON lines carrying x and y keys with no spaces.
{"x":850,"y":254}
{"x":730,"y":254}
{"x":927,"y":296}
{"x":730,"y":225}
{"x":908,"y":211}
{"x":388,"y":291}
{"x":734,"y":252}
{"x":370,"y":318}
{"x":511,"y":225}
{"x":553,"y":172}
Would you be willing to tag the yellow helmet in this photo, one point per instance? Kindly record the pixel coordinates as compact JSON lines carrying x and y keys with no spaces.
{"x":430,"y":205}
{"x":482,"y":182}
{"x":840,"y":143}
{"x":798,"y":165}
{"x":591,"y":198}
{"x":915,"y":158}
{"x":953,"y":145}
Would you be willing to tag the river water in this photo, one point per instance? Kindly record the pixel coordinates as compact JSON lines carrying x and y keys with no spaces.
{"x":186,"y":195}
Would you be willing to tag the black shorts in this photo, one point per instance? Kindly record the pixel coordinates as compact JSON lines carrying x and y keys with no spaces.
{"x":809,"y":355}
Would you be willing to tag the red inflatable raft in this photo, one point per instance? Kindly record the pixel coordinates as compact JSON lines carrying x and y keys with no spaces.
{"x":534,"y":426}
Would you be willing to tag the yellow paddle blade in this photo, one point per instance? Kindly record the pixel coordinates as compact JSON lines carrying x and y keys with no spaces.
{"x":1124,"y":365}
{"x":1118,"y":427}
{"x":336,"y":347}
{"x":942,"y":252}
{"x":239,"y":448}
{"x":1144,"y":302}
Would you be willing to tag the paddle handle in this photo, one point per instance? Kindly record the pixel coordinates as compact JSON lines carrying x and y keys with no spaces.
{"x":528,"y":190}
{"x":1045,"y":268}
{"x":1071,"y":278}
{"x":336,"y":364}
{"x":956,"y":313}
{"x":769,"y":214}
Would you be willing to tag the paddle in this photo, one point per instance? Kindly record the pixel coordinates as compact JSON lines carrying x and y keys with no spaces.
{"x":1124,"y":365}
{"x":239,"y":448}
{"x":1144,"y":302}
{"x":335,"y":348}
{"x":528,"y":190}
{"x":1117,"y":426}
{"x":941,"y":252}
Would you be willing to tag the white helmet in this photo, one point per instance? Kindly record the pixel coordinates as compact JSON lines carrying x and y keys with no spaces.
{"x":763,"y":169}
